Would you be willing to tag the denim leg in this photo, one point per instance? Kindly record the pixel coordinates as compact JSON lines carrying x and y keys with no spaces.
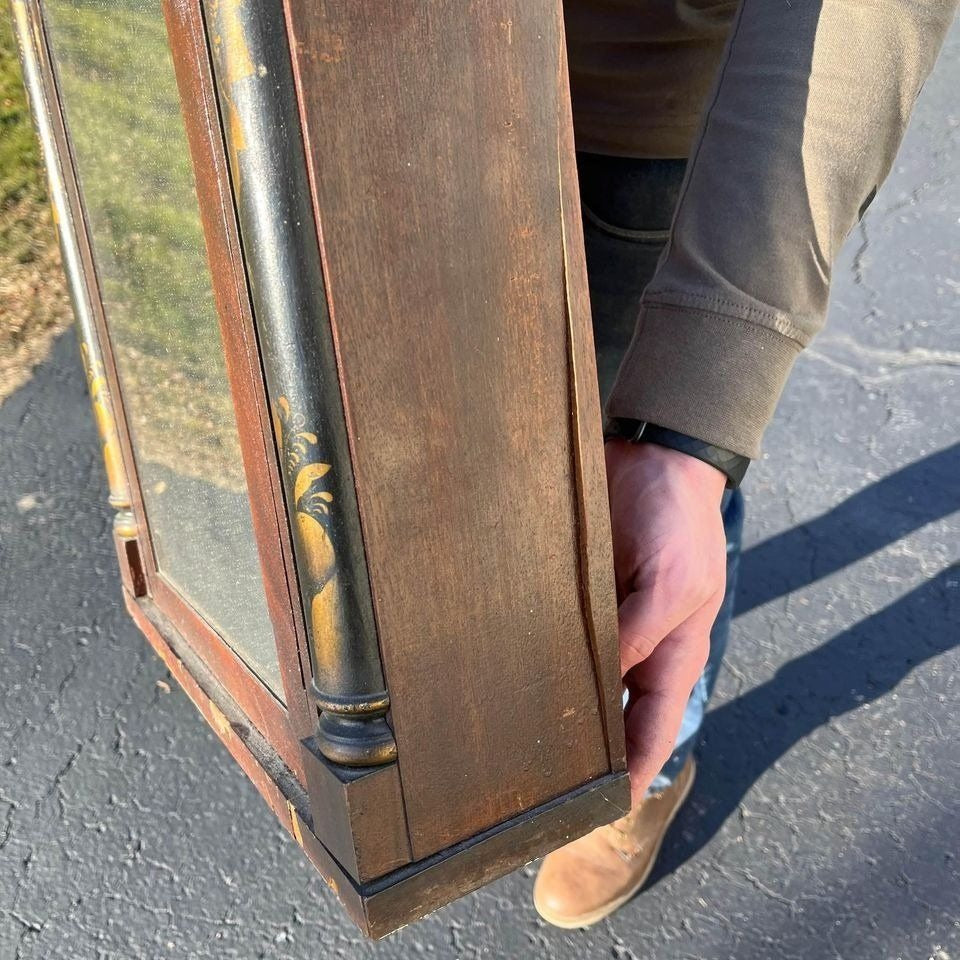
{"x":732,"y":507}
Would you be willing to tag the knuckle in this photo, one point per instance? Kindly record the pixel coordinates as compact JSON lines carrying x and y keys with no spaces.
{"x":635,"y":648}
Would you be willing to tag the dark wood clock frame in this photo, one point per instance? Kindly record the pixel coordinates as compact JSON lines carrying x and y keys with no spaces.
{"x":425,"y":475}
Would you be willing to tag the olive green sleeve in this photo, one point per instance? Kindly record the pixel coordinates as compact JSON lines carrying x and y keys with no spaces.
{"x":808,"y":110}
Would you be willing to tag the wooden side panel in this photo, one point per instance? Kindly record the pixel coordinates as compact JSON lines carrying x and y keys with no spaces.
{"x":433,"y":132}
{"x":596,"y":547}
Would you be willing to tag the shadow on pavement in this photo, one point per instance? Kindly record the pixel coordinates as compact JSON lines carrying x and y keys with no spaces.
{"x":872,"y":518}
{"x":744,"y":737}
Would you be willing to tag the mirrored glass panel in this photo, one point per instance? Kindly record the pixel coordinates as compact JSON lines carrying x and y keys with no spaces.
{"x":122,"y":110}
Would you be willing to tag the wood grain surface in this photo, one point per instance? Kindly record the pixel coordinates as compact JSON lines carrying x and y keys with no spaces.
{"x":434,"y":132}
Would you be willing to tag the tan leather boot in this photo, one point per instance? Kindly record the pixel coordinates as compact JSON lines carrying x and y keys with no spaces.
{"x":588,"y":879}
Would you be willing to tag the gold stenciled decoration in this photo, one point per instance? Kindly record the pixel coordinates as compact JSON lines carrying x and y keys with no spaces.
{"x":312,"y":506}
{"x":107,"y":427}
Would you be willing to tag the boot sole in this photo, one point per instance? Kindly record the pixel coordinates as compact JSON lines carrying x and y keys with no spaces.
{"x":589,"y":919}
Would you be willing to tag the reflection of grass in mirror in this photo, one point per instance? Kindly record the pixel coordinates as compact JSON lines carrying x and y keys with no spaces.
{"x":122,"y":107}
{"x":123,"y":111}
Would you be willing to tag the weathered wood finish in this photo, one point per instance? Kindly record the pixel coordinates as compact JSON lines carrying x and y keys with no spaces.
{"x":438,"y":142}
{"x":362,"y":816}
{"x":359,"y":813}
{"x":590,"y":476}
{"x":409,"y":893}
{"x":451,"y":314}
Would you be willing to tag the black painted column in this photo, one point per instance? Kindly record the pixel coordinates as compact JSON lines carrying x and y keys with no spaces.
{"x":280,"y":243}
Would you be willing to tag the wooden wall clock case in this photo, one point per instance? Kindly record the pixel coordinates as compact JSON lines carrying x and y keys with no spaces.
{"x":390,"y":217}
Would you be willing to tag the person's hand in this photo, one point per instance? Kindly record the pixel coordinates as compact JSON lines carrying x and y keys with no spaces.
{"x":670,"y":560}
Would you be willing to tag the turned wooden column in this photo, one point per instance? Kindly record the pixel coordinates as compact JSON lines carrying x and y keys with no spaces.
{"x":125,"y":531}
{"x":281,"y":246}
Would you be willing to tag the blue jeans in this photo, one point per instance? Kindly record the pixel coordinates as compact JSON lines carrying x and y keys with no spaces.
{"x":627,"y":208}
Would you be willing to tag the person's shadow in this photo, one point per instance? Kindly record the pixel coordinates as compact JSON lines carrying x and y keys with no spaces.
{"x":743,"y":738}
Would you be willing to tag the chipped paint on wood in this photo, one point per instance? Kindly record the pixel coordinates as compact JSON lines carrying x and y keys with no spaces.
{"x":218,"y":720}
{"x":294,"y":824}
{"x":231,"y":40}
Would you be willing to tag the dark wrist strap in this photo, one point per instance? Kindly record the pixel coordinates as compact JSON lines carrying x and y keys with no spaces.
{"x":732,"y":465}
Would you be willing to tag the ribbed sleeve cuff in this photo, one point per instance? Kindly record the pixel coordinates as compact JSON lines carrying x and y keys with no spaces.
{"x":714,"y":377}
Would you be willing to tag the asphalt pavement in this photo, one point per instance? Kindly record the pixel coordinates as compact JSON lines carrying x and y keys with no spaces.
{"x":826,"y":816}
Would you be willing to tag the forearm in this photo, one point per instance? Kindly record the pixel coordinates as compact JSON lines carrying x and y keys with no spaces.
{"x":809,"y":108}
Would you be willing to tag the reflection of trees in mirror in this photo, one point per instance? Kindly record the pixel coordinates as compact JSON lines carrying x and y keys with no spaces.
{"x":114,"y":63}
{"x":34,"y":306}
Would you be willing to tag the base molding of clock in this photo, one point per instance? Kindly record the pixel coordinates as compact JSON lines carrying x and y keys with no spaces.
{"x":415,"y":890}
{"x":418,"y":889}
